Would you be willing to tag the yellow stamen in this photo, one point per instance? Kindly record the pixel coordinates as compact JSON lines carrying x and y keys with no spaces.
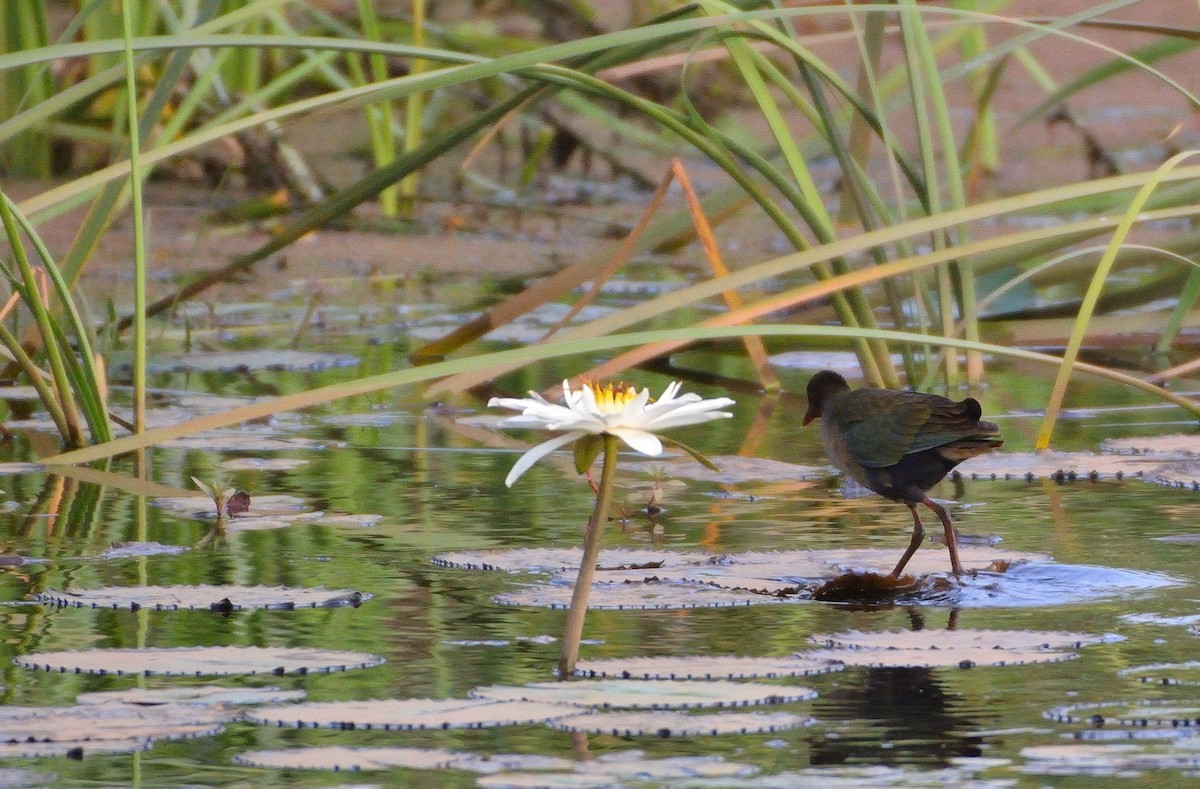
{"x":610,"y":397}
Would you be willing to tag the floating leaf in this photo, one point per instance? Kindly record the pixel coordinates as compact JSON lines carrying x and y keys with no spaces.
{"x":199,"y":661}
{"x":262,"y":464}
{"x":245,"y":439}
{"x":335,"y":757}
{"x":1142,"y":714}
{"x":540,"y":560}
{"x":939,"y":658}
{"x":1059,"y":466}
{"x":368,"y":419}
{"x":1177,"y":445}
{"x":1104,"y":760}
{"x":932,"y":558}
{"x":706,"y":667}
{"x":12,"y":469}
{"x":1146,"y":674}
{"x":106,"y":728}
{"x":198,"y":694}
{"x":876,"y":775}
{"x":602,"y":771}
{"x":487,"y":763}
{"x":133,"y":550}
{"x":408,"y":714}
{"x":658,"y":723}
{"x":633,"y":597}
{"x":734,"y":469}
{"x":635,"y":765}
{"x":246,"y":360}
{"x":655,"y":694}
{"x":13,"y":778}
{"x":201,"y":507}
{"x":343,"y":759}
{"x":559,"y":780}
{"x":19,"y":393}
{"x":956,"y":639}
{"x":1181,"y":474}
{"x":223,"y":598}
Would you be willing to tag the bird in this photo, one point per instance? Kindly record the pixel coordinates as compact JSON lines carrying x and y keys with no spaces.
{"x":899,"y":444}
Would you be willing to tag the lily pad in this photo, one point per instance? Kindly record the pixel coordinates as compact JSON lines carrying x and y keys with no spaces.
{"x":654,"y":694}
{"x":223,"y":598}
{"x":659,"y":723}
{"x":245,"y":361}
{"x":549,"y":780}
{"x":706,"y":667}
{"x":245,"y":439}
{"x":1104,"y":759}
{"x":1176,"y":714}
{"x":12,"y":469}
{"x":939,"y":658}
{"x":1177,"y":445}
{"x":956,"y":639}
{"x":540,"y":560}
{"x":52,"y":731}
{"x":198,"y":661}
{"x":410,"y":714}
{"x":133,"y":550}
{"x":1166,"y":674}
{"x":197,"y":694}
{"x":262,"y":464}
{"x":633,"y":597}
{"x":14,"y":778}
{"x":333,"y":757}
{"x":1059,"y":466}
{"x":200,"y":506}
{"x":737,"y":468}
{"x":1179,"y":474}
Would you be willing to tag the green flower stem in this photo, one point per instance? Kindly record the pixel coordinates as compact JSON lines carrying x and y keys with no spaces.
{"x":573,"y":631}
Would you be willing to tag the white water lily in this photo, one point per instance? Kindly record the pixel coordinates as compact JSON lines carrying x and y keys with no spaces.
{"x":596,"y":409}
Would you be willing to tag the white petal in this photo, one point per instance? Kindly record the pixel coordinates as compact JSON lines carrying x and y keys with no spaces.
{"x":515,"y":403}
{"x":537,"y":453}
{"x":690,"y":414}
{"x":639,"y":440}
{"x":631,"y":413}
{"x":587,"y":403}
{"x":669,"y":393}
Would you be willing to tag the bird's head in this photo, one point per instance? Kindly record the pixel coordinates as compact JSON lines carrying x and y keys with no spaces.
{"x":821,"y":389}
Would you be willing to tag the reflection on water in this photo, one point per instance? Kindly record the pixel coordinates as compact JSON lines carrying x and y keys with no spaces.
{"x":439,"y":487}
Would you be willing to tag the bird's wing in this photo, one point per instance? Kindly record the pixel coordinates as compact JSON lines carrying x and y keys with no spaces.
{"x":881,"y":426}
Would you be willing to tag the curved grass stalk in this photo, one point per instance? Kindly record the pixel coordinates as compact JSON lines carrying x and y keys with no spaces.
{"x":84,"y":364}
{"x":501,"y":360}
{"x":475,"y":68}
{"x":844,"y":247}
{"x":810,"y":293}
{"x":31,"y":295}
{"x":1058,"y":392}
{"x":139,"y":232}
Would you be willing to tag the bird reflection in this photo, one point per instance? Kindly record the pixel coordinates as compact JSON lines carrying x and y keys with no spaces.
{"x":909,"y":710}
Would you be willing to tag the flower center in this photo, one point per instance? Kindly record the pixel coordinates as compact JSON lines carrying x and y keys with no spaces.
{"x":611,"y":398}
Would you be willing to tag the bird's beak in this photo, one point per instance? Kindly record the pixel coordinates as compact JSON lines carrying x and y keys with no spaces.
{"x":809,"y":416}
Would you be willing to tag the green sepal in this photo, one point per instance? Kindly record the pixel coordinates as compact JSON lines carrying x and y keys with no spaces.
{"x":587,"y":449}
{"x":697,"y":455}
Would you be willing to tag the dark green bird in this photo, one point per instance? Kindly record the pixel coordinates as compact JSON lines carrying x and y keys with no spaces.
{"x":899,"y":444}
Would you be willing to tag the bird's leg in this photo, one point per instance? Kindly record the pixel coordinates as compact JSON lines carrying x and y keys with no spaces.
{"x":917,"y":536}
{"x":951,"y":537}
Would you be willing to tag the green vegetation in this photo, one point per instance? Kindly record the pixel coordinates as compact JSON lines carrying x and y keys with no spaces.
{"x":909,"y":249}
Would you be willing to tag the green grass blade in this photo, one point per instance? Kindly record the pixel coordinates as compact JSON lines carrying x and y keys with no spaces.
{"x":556,"y":349}
{"x":1058,"y":392}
